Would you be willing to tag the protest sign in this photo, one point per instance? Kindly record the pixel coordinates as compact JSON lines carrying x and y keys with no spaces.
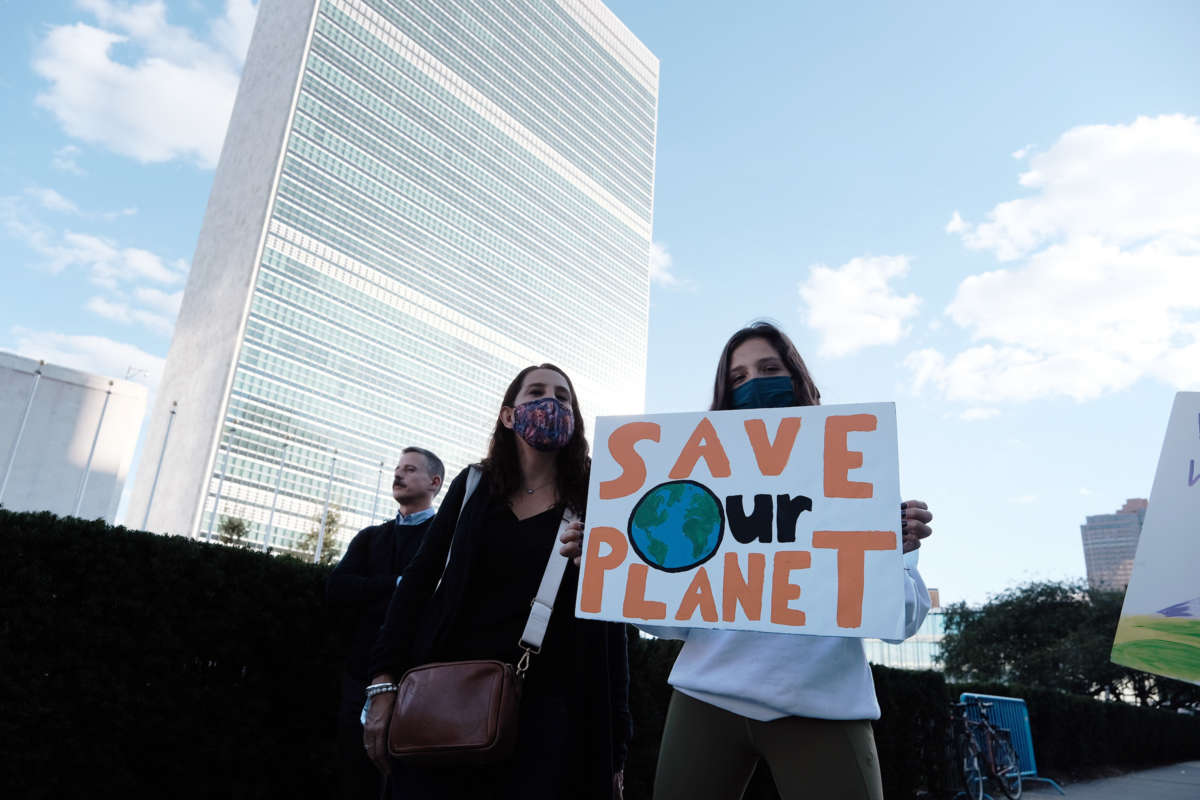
{"x":782,"y":520}
{"x":1159,"y":630}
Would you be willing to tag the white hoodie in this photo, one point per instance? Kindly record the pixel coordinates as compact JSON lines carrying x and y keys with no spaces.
{"x":766,"y":676}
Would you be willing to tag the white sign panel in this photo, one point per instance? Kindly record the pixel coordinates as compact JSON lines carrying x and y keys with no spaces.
{"x":784,"y":520}
{"x":1159,"y":630}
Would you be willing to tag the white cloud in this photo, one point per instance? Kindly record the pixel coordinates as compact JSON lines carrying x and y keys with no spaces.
{"x":661,"y":265}
{"x":117,"y":311}
{"x":160,"y":300}
{"x":956,"y":224}
{"x":1085,"y":491}
{"x":63,"y":160}
{"x":94,"y":354}
{"x":1124,"y":183}
{"x":853,"y":306}
{"x":52,"y":200}
{"x":106,"y":263}
{"x":1105,"y":285}
{"x":925,"y":365}
{"x":1024,"y":500}
{"x":976,"y":414}
{"x":1022,"y":152}
{"x":232,"y":31}
{"x":173,"y":101}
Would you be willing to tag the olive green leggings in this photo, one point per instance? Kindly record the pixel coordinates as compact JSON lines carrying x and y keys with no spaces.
{"x":710,"y":754}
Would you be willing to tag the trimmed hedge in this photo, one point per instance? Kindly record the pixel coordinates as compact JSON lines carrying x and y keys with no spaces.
{"x":137,"y":665}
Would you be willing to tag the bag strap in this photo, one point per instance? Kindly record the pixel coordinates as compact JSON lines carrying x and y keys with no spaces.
{"x":473,"y":475}
{"x":543,"y":603}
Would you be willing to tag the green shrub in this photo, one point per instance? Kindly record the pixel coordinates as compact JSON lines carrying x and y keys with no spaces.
{"x":141,"y":665}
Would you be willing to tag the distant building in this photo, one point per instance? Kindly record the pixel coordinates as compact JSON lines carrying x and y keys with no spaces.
{"x":66,"y":438}
{"x":1110,"y":543}
{"x":414,"y":201}
{"x":919,"y":651}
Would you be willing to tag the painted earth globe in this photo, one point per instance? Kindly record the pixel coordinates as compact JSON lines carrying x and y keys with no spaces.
{"x":677,"y":525}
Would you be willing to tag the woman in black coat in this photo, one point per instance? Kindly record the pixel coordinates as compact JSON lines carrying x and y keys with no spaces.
{"x":574,"y":714}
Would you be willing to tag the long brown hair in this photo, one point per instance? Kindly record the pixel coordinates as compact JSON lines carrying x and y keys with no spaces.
{"x":802,"y":383}
{"x":572,"y":464}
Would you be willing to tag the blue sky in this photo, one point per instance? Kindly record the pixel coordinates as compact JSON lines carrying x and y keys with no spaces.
{"x":989,"y":214}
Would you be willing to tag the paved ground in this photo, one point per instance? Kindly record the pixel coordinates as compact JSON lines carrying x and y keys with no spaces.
{"x":1176,"y":782}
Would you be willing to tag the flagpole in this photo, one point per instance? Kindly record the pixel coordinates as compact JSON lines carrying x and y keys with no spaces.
{"x":325,"y":513}
{"x":157,"y":470}
{"x":220,"y":483}
{"x":275,"y":497}
{"x":378,"y":486}
{"x":91,"y":453}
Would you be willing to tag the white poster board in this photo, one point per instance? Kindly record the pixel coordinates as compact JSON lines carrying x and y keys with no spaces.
{"x":784,"y":520}
{"x":1159,"y":630}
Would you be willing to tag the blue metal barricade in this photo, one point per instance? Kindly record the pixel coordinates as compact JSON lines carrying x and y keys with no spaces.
{"x":1010,"y":713}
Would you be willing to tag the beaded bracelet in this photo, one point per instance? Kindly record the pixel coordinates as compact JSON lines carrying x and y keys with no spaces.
{"x":380,"y":688}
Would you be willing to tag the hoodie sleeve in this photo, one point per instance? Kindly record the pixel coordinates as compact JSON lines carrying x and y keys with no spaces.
{"x":916,"y":597}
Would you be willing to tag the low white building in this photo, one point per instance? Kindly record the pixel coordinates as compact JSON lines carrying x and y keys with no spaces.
{"x":66,"y":438}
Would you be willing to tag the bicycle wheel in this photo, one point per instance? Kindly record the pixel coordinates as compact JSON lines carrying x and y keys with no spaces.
{"x":969,"y":771}
{"x":1007,"y":766}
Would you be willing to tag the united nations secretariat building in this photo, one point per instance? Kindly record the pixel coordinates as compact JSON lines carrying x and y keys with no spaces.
{"x":415,"y":200}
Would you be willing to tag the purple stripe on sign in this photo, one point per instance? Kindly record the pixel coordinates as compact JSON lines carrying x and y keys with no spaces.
{"x":1190,"y":609}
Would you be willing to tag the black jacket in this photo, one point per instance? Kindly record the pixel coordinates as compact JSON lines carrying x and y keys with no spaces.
{"x":418,"y":620}
{"x":361,"y":585}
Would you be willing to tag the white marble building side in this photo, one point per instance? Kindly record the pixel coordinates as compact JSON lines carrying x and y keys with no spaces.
{"x":216,"y":301}
{"x":65,"y":419}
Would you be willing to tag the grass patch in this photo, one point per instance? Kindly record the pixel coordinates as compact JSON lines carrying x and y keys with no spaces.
{"x":1162,"y":645}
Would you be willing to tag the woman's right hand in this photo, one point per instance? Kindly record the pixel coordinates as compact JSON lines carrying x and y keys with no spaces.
{"x":375,"y":731}
{"x":572,"y":542}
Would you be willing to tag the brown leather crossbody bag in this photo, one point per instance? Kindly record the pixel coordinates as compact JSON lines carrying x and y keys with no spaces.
{"x":465,"y":712}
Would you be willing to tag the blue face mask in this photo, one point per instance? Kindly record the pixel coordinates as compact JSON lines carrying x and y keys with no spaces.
{"x":774,"y":392}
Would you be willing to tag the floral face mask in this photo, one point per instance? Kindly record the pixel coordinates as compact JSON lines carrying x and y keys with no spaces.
{"x":545,"y":424}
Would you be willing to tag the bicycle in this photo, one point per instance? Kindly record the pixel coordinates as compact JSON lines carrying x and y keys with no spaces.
{"x":981,"y":745}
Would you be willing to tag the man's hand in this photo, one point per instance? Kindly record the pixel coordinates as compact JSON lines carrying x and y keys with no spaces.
{"x":375,"y":731}
{"x":914,"y":524}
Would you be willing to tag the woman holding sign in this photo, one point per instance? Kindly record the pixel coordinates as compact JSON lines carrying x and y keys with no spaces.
{"x":467,"y":596}
{"x":804,"y":704}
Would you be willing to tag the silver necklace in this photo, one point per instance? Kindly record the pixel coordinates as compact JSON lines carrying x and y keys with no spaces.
{"x":534,"y":489}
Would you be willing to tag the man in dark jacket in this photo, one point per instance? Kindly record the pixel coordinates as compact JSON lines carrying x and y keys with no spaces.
{"x":359,"y":590}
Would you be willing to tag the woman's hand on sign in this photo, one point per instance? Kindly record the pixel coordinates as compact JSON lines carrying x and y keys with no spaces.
{"x":914,"y":523}
{"x":572,"y":542}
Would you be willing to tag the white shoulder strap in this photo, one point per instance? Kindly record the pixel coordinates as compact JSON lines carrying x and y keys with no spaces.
{"x":543,"y":604}
{"x":473,"y":474}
